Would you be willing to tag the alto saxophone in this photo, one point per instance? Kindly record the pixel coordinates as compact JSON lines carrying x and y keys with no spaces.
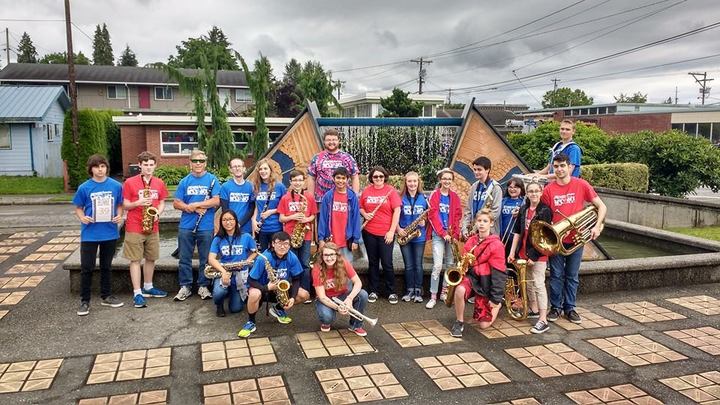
{"x":211,"y":272}
{"x":283,"y":286}
{"x":298,"y":235}
{"x":412,"y":231}
{"x":454,"y":276}
{"x":149,"y":212}
{"x":516,"y":299}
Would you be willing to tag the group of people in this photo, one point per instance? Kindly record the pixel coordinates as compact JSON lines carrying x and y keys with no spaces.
{"x":260,"y":243}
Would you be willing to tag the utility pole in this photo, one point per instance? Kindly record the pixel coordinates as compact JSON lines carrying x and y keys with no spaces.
{"x":422,"y":72}
{"x":449,"y":96}
{"x":704,"y":90}
{"x":555,"y":82}
{"x":338,"y":84}
{"x":676,"y":95}
{"x":7,"y":44}
{"x":71,"y":74}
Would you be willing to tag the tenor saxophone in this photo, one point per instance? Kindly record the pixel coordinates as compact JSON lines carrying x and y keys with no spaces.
{"x":211,"y":272}
{"x":149,"y":212}
{"x":283,"y":286}
{"x":412,"y":231}
{"x":516,"y":299}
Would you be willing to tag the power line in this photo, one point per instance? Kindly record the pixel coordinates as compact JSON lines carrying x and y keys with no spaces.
{"x":83,"y":32}
{"x":421,"y":72}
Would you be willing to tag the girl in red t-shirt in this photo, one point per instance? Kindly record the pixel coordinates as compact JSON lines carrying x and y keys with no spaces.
{"x":335,"y":277}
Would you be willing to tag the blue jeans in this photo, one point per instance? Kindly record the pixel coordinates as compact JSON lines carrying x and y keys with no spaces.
{"x":412,"y":254}
{"x":327,"y":315}
{"x":564,"y":280}
{"x":303,"y":254}
{"x":187,"y":240}
{"x":442,"y":255}
{"x":347,"y":253}
{"x":235,"y":304}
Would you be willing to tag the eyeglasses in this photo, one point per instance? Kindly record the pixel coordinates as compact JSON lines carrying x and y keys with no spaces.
{"x":329,"y":254}
{"x":197,"y":160}
{"x":378,"y":176}
{"x":282,"y":244}
{"x":236,"y":166}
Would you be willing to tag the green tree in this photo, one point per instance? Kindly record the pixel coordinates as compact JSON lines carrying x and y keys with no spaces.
{"x":288,"y":101}
{"x":190,"y":52}
{"x":92,"y":138}
{"x":565,"y":97}
{"x":61,"y":57}
{"x":102,"y":48}
{"x":400,"y":105}
{"x":315,"y":85}
{"x":128,"y":57}
{"x":260,"y":81}
{"x":635,"y":98}
{"x":26,"y":50}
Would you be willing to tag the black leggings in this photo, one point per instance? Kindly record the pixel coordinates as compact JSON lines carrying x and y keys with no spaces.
{"x":88,"y":254}
{"x":378,"y":253}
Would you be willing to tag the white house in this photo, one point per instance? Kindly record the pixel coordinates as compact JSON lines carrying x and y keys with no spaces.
{"x":31,"y":128}
{"x":368,"y":104}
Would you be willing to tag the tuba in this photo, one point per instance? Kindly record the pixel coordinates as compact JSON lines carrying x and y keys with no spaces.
{"x":149,"y":213}
{"x":283,"y":286}
{"x":412,"y":231}
{"x":548,"y":239}
{"x":516,"y":299}
{"x":298,"y":235}
{"x":211,"y":273}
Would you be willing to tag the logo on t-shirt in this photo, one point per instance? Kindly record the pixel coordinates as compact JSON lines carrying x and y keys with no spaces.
{"x":330,"y":284}
{"x":236,"y":250}
{"x":372,"y":199}
{"x":568,"y":198}
{"x":339,"y":206}
{"x":328,"y":164}
{"x":295,"y":206}
{"x":263,"y":196}
{"x":282,"y":273}
{"x":153,"y":194}
{"x":239,"y":197}
{"x":197,"y":190}
{"x":444,"y":208}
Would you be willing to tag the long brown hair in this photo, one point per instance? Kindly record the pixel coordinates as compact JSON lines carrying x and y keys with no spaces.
{"x":340,"y":271}
{"x":271,"y":179}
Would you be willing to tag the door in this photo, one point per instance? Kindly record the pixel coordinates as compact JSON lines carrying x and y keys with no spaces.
{"x":144,"y":97}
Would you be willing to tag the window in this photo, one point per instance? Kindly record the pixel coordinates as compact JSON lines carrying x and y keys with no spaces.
{"x":716,"y":133}
{"x":427,"y":111}
{"x":679,"y":127}
{"x":163,"y":93}
{"x":348,"y":112}
{"x":273,"y":136}
{"x":691,"y":129}
{"x":117,"y":92}
{"x":243,"y":96}
{"x":364,"y":110}
{"x":179,"y":143}
{"x":704,"y":129}
{"x":241,"y":139}
{"x":224,"y":95}
{"x":58,"y":133}
{"x":50,"y":132}
{"x":5,"y":137}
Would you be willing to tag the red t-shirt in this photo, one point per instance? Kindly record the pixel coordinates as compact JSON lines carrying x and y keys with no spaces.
{"x":388,"y":199}
{"x":568,"y":199}
{"x":339,"y":218}
{"x":331,"y":289}
{"x":291,"y":203}
{"x":528,"y":218}
{"x":133,"y":189}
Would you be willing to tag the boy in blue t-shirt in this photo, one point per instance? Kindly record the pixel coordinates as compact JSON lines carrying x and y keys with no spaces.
{"x":566,"y":146}
{"x":98,"y":207}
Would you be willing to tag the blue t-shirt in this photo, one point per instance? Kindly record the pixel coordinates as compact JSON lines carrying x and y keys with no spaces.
{"x":506,"y":217}
{"x":285,"y":268}
{"x":272,"y":223}
{"x":574,"y":153}
{"x":444,"y":210}
{"x":197,"y":189}
{"x":231,"y":250}
{"x":238,"y":197}
{"x":480,"y":196}
{"x":93,"y":196}
{"x":410,"y":209}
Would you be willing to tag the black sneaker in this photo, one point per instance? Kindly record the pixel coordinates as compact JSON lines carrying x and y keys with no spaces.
{"x":573,"y":316}
{"x":372,"y":297}
{"x":540,"y":327}
{"x":84,"y":308}
{"x":220,"y":311}
{"x":533,"y":315}
{"x":457,"y":329}
{"x":553,"y":315}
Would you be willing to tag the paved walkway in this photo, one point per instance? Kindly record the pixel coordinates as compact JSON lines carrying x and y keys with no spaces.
{"x":644,"y":346}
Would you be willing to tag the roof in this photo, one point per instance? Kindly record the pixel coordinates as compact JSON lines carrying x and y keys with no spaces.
{"x":29,"y":103}
{"x":58,"y":73}
{"x":141,"y":119}
{"x":376,"y":96}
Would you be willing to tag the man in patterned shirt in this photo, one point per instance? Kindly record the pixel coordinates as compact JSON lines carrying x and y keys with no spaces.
{"x":323,"y":164}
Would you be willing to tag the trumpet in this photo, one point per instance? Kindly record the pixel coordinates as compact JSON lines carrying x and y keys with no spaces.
{"x":355,"y":313}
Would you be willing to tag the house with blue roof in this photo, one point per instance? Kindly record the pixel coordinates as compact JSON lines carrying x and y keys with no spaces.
{"x":31,"y":130}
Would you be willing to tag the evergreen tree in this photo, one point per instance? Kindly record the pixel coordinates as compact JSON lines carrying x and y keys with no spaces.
{"x":400,"y":105}
{"x":102,"y":50}
{"x":260,"y":80}
{"x":61,"y":57}
{"x":108,"y":45}
{"x":288,"y":101}
{"x":26,"y":50}
{"x":127,"y":58}
{"x":190,"y":52}
{"x":315,"y":85}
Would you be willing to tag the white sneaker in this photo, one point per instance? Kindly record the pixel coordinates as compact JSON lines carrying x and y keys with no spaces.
{"x":471,"y":300}
{"x":183,"y":294}
{"x":204,"y":293}
{"x":431,"y":303}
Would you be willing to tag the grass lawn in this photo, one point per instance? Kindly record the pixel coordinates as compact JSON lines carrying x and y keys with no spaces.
{"x":708,"y":232}
{"x":30,"y":185}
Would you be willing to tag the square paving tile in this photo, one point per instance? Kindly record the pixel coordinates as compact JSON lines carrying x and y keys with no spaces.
{"x":334,"y":343}
{"x":130,"y":365}
{"x":20,"y":282}
{"x":236,"y":353}
{"x":12,"y":298}
{"x":3,"y":258}
{"x":706,"y":338}
{"x":644,"y":311}
{"x":65,"y":247}
{"x":521,"y":401}
{"x":28,"y":375}
{"x":462,"y":370}
{"x":31,"y":268}
{"x":29,"y":234}
{"x":420,"y":333}
{"x":369,"y":382}
{"x":46,"y":257}
{"x":553,"y":360}
{"x":590,"y":320}
{"x":636,"y":350}
{"x":263,"y":390}
{"x":17,"y":242}
{"x":617,"y":394}
{"x":700,"y":303}
{"x":135,"y":398}
{"x":3,"y":313}
{"x":10,"y":249}
{"x":70,"y":233}
{"x":503,"y":328}
{"x":702,"y":388}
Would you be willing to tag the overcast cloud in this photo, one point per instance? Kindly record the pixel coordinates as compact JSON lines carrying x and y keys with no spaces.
{"x":346,"y":35}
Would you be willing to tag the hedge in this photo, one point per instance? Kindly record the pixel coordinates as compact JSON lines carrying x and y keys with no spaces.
{"x":92,"y":139}
{"x":618,"y":176}
{"x":172,"y":175}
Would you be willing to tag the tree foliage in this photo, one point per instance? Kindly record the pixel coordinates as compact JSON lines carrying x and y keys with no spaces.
{"x":191,"y":51}
{"x":635,"y":98}
{"x":26,"y":50}
{"x":128,"y":57}
{"x":400,"y":105}
{"x":260,"y":80}
{"x":315,"y":85}
{"x":288,"y":100}
{"x":92,"y":138}
{"x":102,"y":48}
{"x":61,"y":57}
{"x":565,"y":97}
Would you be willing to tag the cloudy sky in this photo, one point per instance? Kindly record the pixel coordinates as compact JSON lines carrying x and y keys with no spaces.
{"x":495,"y":51}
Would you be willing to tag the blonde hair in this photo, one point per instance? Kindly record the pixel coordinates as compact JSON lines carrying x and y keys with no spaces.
{"x":271,"y":179}
{"x":403,"y":189}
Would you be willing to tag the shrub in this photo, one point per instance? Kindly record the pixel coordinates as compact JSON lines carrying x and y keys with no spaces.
{"x":92,"y":139}
{"x":114,"y":149}
{"x":618,"y":176}
{"x":171,"y":175}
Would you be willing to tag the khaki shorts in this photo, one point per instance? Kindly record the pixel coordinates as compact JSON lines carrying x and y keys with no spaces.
{"x":138,"y":245}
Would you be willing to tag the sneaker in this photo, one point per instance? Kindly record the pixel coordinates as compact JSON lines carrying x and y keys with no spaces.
{"x":372,"y":297}
{"x":540,"y":327}
{"x":308,"y":301}
{"x":393,"y":299}
{"x":324,"y":327}
{"x":443,"y":296}
{"x":280,"y":315}
{"x":471,"y":300}
{"x":431,"y":303}
{"x":154,"y":292}
{"x":457,"y":329}
{"x":553,"y":315}
{"x":183,"y":294}
{"x":418,"y":298}
{"x":84,"y":308}
{"x":573,"y":316}
{"x":139,"y":301}
{"x":247,"y":329}
{"x":533,"y":315}
{"x":204,"y":293}
{"x":408,"y":297}
{"x":358,"y":331}
{"x":111,"y":301}
{"x":220,"y":311}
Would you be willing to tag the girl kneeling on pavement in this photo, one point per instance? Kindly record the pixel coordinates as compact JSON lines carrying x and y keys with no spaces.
{"x":335,"y":277}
